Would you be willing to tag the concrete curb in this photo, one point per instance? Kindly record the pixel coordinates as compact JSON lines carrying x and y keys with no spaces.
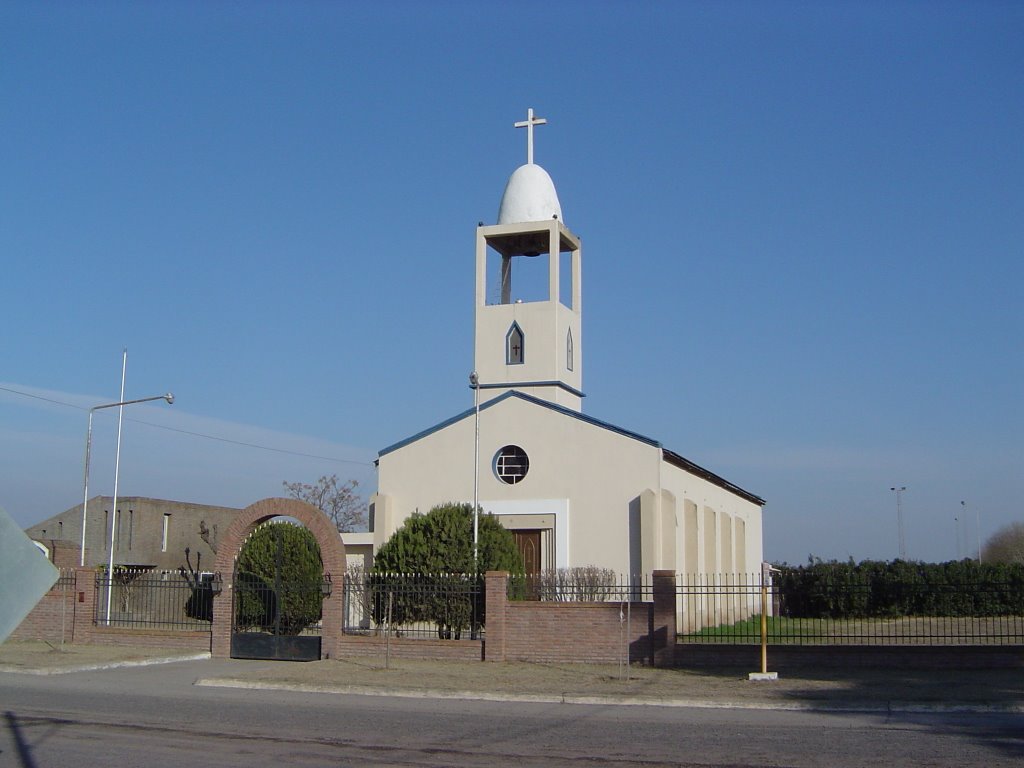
{"x":102,"y":665}
{"x":625,"y":701}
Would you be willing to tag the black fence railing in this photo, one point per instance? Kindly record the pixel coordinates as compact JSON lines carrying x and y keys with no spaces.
{"x":726,"y":608}
{"x":446,"y":606}
{"x":281,"y":608}
{"x":149,"y":599}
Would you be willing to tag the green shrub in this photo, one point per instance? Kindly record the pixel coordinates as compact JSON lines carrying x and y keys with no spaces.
{"x":873,"y":589}
{"x":423,"y":570}
{"x":277,"y":580}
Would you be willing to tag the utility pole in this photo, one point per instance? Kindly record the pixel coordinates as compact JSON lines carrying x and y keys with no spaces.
{"x":899,"y":519}
{"x":977,"y":525}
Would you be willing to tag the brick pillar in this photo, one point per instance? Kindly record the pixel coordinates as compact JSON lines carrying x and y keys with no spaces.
{"x":85,"y":605}
{"x":496,"y":603}
{"x":333,"y":616}
{"x":220,"y":627}
{"x":663,"y":638}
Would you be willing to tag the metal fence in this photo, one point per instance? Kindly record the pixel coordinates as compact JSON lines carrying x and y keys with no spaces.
{"x":726,"y":608}
{"x":278,"y":607}
{"x":445,"y":606}
{"x":580,"y":585}
{"x":150,"y":599}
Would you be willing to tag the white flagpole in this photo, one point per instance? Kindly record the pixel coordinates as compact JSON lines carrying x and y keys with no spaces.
{"x":117,"y":467}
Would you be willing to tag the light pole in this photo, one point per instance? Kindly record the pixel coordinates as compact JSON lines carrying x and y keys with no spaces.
{"x":977,"y":525}
{"x":474,"y":380}
{"x":899,"y":519}
{"x":88,"y":452}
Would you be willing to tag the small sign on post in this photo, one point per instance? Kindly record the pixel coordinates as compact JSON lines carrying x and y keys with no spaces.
{"x":764,"y":674}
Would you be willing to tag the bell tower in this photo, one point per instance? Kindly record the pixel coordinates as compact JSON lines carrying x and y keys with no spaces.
{"x":528,"y":331}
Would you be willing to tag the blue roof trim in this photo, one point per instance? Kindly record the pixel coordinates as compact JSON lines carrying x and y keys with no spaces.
{"x":669,"y":456}
{"x":522,"y":396}
{"x":675,"y":459}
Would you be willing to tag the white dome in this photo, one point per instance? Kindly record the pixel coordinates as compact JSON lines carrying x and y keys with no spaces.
{"x":529,"y":196}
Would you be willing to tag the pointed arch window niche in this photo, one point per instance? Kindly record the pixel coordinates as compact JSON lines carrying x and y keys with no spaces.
{"x":514,"y":345}
{"x":568,"y":350}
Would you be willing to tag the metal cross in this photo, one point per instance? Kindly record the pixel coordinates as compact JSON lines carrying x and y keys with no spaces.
{"x":528,"y":124}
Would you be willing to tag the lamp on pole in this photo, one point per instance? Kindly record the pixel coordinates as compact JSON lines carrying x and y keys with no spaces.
{"x":88,"y":452}
{"x":899,"y":519}
{"x":474,"y":381}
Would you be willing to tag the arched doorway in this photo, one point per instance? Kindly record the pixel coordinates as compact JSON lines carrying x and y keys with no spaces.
{"x":332,"y":553}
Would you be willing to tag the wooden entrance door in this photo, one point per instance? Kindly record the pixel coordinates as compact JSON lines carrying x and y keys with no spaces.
{"x":529,"y":547}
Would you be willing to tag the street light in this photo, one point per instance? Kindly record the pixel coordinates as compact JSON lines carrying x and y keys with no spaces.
{"x":899,"y":519}
{"x":169,"y":397}
{"x":474,"y":381}
{"x":977,"y":526}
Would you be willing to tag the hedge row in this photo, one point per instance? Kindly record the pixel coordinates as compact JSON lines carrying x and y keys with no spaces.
{"x":873,"y":589}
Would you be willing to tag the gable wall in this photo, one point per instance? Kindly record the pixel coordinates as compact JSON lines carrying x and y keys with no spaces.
{"x":599,"y":471}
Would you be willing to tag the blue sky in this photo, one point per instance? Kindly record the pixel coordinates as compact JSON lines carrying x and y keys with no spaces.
{"x":802,"y":228}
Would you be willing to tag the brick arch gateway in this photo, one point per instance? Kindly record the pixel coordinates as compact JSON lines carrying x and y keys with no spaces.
{"x":332,"y":553}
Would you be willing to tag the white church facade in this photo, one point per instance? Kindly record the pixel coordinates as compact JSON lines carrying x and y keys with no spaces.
{"x":575,"y":490}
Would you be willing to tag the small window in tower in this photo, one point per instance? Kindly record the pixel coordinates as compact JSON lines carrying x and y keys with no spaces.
{"x":568,"y":350}
{"x":511,"y":464}
{"x":514,"y":343}
{"x":166,"y":532}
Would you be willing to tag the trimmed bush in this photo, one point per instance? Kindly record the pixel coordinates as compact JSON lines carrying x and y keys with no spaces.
{"x":277,"y":580}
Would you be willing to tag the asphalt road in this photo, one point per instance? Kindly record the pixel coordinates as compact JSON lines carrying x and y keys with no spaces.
{"x":153,"y":717}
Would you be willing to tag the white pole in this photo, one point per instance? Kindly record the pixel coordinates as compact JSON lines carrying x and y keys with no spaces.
{"x":117,"y":467}
{"x":475,"y":381}
{"x":899,"y":519}
{"x":977,"y":526}
{"x":85,"y":484}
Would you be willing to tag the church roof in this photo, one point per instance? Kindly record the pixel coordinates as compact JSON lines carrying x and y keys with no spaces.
{"x":668,"y":456}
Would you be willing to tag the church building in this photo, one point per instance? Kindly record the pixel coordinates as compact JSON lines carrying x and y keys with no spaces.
{"x":575,"y":490}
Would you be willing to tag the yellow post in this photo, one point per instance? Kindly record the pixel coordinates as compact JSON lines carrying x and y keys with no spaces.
{"x":764,"y":674}
{"x":764,"y":624}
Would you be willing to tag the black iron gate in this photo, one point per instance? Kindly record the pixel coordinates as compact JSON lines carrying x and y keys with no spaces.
{"x":277,"y":618}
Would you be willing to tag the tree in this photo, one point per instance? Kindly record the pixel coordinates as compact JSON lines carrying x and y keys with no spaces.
{"x":278,"y":578}
{"x":426,"y":571}
{"x":341,"y":503}
{"x":1005,"y":545}
{"x":441,"y":541}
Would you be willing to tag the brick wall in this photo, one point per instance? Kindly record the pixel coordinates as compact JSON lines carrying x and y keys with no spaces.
{"x":569,"y":632}
{"x":66,"y":613}
{"x":358,"y":646}
{"x":524,"y":630}
{"x":802,"y":657}
{"x":58,"y":616}
{"x":185,"y":641}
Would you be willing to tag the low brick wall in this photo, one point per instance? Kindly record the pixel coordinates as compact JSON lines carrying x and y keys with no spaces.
{"x":150,"y":638}
{"x":67,"y":612}
{"x":804,"y":657}
{"x":361,"y":646}
{"x":581,"y":632}
{"x":64,"y":613}
{"x":598,"y":633}
{"x":53,"y":618}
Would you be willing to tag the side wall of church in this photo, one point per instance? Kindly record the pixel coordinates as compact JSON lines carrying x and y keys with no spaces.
{"x":715,"y":530}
